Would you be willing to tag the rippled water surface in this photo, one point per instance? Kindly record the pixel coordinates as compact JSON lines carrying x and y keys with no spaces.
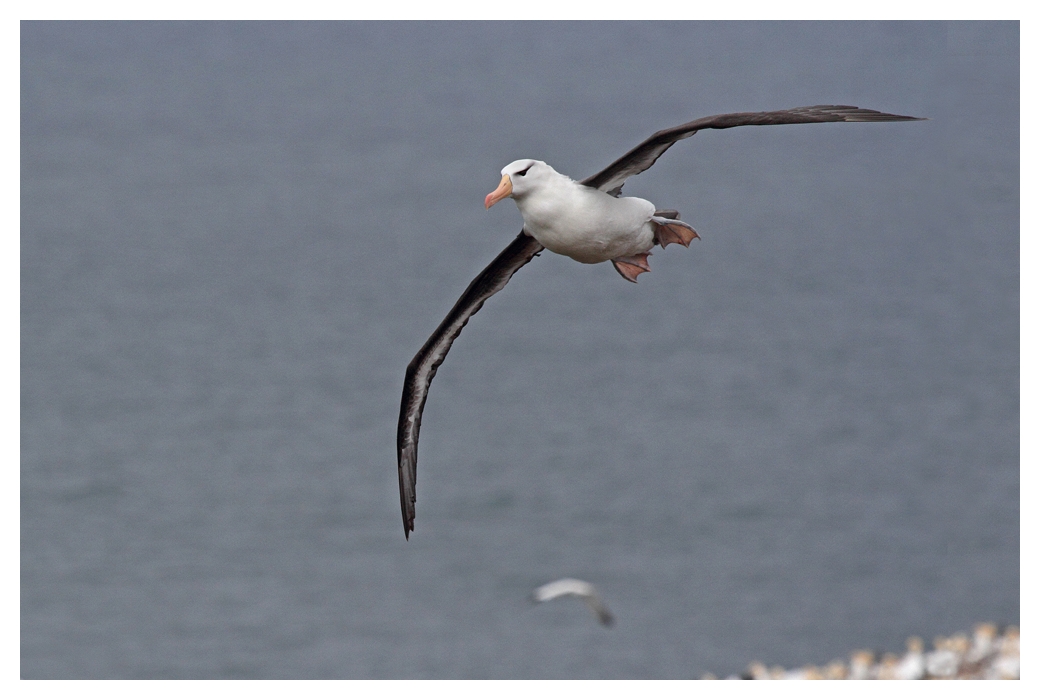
{"x":797,"y":438}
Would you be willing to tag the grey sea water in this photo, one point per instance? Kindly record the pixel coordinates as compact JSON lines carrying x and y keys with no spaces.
{"x":797,"y":438}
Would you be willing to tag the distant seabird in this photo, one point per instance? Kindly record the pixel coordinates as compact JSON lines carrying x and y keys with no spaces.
{"x":588,"y":221}
{"x":578,"y":588}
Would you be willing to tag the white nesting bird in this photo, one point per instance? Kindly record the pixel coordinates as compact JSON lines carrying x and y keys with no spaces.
{"x":587,"y":221}
{"x":579,"y":589}
{"x":945,"y":659}
{"x":861,"y":665}
{"x":983,"y":643}
{"x":912,"y":666}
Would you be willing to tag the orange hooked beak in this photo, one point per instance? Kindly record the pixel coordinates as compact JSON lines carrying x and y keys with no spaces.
{"x":504,"y":189}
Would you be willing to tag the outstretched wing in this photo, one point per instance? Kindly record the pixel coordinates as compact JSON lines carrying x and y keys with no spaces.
{"x":423,"y":366}
{"x":611,"y":178}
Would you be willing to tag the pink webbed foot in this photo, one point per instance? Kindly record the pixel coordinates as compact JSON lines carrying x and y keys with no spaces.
{"x":672,"y":231}
{"x":631,"y":266}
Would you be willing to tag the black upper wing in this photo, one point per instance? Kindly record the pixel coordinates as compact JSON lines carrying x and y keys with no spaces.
{"x":611,"y":178}
{"x":424,"y":365}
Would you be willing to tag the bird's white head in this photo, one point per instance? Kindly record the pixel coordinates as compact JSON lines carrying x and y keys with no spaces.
{"x":518,"y":179}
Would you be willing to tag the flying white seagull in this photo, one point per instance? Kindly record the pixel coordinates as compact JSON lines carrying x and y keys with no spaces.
{"x":578,"y":588}
{"x":588,"y":221}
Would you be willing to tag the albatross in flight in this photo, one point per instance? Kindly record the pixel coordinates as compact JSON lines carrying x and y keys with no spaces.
{"x":588,"y":221}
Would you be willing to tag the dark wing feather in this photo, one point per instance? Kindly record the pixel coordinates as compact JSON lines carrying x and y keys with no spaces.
{"x":423,"y":366}
{"x":611,"y":178}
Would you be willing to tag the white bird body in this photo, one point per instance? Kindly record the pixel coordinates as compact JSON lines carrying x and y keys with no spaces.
{"x":578,"y":221}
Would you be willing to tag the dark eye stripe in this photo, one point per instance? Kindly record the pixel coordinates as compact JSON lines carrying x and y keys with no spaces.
{"x":524,"y":171}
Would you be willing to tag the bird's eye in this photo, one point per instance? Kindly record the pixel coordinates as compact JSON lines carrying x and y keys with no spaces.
{"x":524,"y":171}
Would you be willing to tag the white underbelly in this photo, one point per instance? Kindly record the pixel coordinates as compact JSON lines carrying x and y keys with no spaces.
{"x":603,"y":229}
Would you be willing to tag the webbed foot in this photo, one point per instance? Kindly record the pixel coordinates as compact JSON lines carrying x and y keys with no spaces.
{"x":672,"y":231}
{"x":631,"y":266}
